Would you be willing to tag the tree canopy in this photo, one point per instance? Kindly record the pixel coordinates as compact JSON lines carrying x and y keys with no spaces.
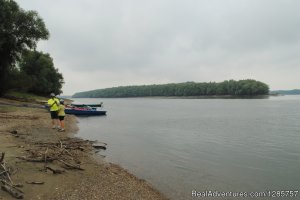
{"x":38,"y":74}
{"x":235,"y":88}
{"x":20,"y":30}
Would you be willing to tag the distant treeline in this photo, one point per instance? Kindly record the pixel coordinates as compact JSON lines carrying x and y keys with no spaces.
{"x":286,"y":92}
{"x":231,"y":87}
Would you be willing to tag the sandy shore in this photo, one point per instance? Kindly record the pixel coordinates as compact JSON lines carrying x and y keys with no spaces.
{"x":98,"y":180}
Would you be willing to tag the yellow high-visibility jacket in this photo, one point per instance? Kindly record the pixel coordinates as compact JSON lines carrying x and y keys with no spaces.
{"x":61,"y":110}
{"x":53,"y":103}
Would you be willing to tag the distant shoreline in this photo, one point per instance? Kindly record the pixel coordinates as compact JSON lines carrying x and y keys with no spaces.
{"x":229,"y":87}
{"x":192,"y":97}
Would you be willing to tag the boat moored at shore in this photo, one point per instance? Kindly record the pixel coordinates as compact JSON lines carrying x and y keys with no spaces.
{"x":87,"y":105}
{"x":84,"y":112}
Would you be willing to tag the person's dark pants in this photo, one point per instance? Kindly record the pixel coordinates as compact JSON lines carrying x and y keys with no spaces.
{"x":54,"y":114}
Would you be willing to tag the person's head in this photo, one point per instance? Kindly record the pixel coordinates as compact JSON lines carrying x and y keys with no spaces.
{"x":61,"y":101}
{"x":52,"y":95}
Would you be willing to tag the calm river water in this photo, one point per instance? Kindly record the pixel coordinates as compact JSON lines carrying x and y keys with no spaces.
{"x":181,"y":145}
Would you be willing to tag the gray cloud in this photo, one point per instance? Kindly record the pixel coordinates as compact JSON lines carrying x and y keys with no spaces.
{"x":102,"y":43}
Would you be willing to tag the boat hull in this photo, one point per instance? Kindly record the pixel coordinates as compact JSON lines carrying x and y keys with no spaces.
{"x":85,"y":112}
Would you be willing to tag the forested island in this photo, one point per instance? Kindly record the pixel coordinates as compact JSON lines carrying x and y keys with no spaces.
{"x":247,"y":87}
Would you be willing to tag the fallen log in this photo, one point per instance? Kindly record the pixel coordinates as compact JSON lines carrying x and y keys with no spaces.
{"x":35,"y":182}
{"x":15,"y":192}
{"x":12,"y":191}
{"x":75,"y":148}
{"x":3,"y":172}
{"x":14,"y":132}
{"x":71,"y":166}
{"x":2,"y":157}
{"x":99,"y":146}
{"x":7,"y":173}
{"x":55,"y":171}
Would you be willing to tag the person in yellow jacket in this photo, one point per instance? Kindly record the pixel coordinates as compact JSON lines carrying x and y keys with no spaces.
{"x":61,"y":115}
{"x":53,"y":104}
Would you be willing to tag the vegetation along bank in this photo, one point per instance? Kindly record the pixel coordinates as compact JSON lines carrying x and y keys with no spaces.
{"x":234,"y":88}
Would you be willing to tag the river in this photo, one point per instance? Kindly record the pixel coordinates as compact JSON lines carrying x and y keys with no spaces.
{"x":186,"y":145}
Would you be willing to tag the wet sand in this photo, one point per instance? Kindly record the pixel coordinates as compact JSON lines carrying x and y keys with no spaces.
{"x":98,"y":180}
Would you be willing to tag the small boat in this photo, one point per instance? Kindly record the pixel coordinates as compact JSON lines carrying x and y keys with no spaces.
{"x":87,"y":105}
{"x":84,"y":111}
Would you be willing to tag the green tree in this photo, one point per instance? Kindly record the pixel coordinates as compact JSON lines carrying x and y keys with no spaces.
{"x":38,"y":71}
{"x":19,"y":30}
{"x":234,"y":88}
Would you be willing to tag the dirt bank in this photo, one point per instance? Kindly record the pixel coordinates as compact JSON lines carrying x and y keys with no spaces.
{"x":26,"y":132}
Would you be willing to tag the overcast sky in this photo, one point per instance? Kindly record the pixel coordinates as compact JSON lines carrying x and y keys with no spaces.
{"x":106,"y":43}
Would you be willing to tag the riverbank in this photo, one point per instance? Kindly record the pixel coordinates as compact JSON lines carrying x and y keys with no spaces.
{"x":24,"y":128}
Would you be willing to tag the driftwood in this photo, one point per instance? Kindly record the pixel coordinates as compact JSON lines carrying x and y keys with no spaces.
{"x":99,"y":146}
{"x":6,"y":173}
{"x":70,"y":166}
{"x":6,"y":181}
{"x":12,"y":191}
{"x":35,"y":160}
{"x":14,"y":132}
{"x":10,"y":185}
{"x":2,"y":157}
{"x":65,"y":152}
{"x":35,"y":182}
{"x":55,"y":171}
